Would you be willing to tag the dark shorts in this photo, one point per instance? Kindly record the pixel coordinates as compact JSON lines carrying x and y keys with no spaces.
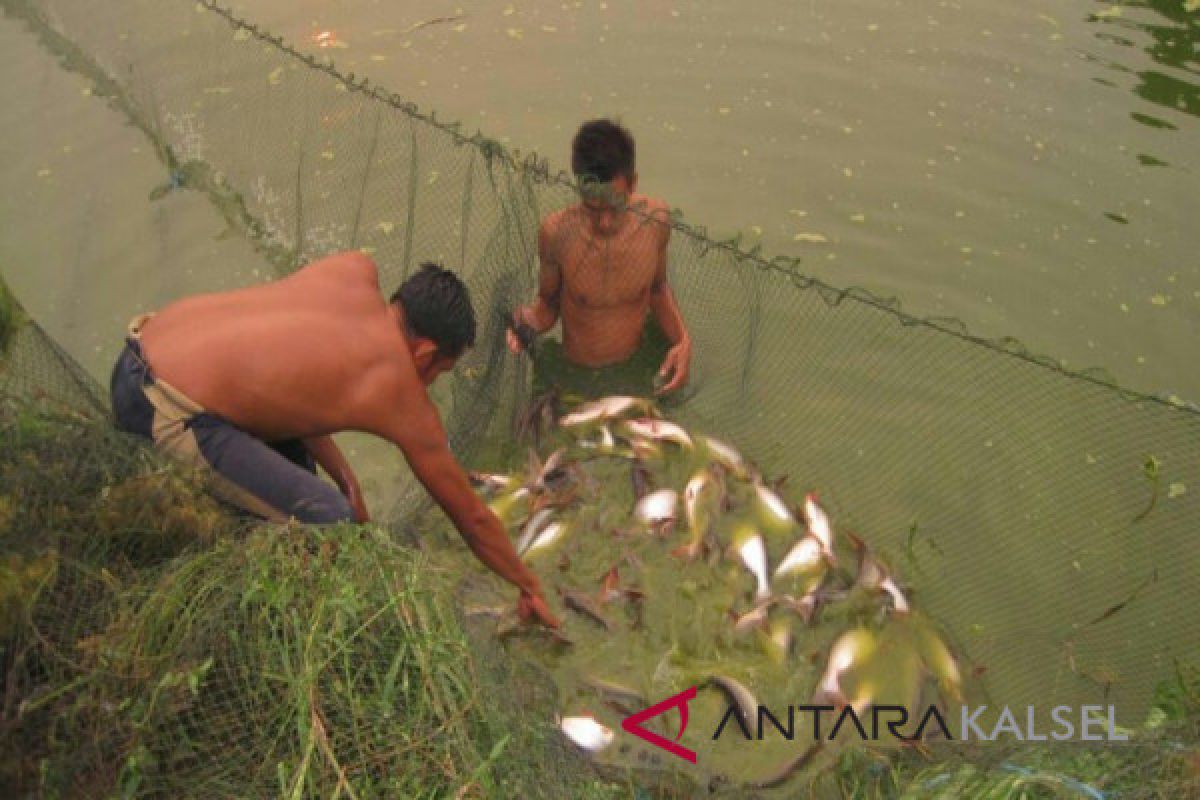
{"x":634,"y":376}
{"x":272,"y":480}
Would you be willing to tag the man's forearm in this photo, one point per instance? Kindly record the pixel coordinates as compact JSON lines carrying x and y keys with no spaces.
{"x":486,"y":538}
{"x":326,"y":453}
{"x":662,"y":301}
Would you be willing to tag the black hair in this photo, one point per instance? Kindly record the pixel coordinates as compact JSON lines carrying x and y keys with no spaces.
{"x":438,"y":307}
{"x":601,"y":151}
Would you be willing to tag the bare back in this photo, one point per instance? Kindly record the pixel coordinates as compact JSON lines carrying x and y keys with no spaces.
{"x":308,"y":355}
{"x":606,"y":281}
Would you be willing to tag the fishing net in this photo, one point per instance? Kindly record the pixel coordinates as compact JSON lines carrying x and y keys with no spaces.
{"x":1043,"y":517}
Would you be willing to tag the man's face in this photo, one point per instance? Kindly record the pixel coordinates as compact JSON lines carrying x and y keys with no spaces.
{"x":605,"y":204}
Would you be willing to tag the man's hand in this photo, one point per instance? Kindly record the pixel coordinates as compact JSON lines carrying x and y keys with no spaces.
{"x":533,"y":608}
{"x":520,"y":334}
{"x":514,"y":344}
{"x":676,"y":365}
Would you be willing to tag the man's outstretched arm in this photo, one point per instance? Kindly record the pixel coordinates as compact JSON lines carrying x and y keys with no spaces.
{"x":423,"y":441}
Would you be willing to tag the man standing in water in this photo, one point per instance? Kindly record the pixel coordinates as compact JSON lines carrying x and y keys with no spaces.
{"x":604,"y":264}
{"x":251,"y":383}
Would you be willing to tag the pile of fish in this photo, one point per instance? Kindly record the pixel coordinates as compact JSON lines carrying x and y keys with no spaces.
{"x":702,"y":501}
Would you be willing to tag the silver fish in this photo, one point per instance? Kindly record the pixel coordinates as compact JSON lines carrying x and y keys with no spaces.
{"x":533,"y":526}
{"x":605,"y":408}
{"x":728,"y":457}
{"x":772,"y":511}
{"x":586,"y":733}
{"x":939,"y":661}
{"x":548,"y":536}
{"x":581,"y":604}
{"x":543,"y":475}
{"x":490,"y":482}
{"x":739,"y":697}
{"x":657,"y":430}
{"x":851,"y":649}
{"x":658,"y":510}
{"x":873,"y":575}
{"x":754,"y":618}
{"x":748,"y":543}
{"x":805,"y":557}
{"x":615,"y":692}
{"x":819,"y":526}
{"x":698,"y":499}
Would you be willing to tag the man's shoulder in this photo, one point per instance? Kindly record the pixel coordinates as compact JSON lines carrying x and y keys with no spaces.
{"x":651,"y":209}
{"x":353,"y":266}
{"x":556,"y":220}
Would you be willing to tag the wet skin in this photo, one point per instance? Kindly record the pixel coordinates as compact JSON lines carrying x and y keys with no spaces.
{"x":320,"y":352}
{"x":603,"y":269}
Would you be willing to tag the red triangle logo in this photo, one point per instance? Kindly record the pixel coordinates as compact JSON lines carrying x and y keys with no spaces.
{"x":633,"y":723}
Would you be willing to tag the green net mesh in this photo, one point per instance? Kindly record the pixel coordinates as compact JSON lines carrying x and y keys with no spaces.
{"x":1045,"y":517}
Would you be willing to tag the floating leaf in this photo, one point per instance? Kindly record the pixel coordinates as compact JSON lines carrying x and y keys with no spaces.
{"x":275,"y":76}
{"x":386,"y":227}
{"x":1175,"y":489}
{"x":1159,"y":299}
{"x":815,"y":238}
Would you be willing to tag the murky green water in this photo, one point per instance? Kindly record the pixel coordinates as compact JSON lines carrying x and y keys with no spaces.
{"x":1026,"y":167}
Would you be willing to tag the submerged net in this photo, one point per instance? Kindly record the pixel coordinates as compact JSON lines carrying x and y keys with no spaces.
{"x":1044,"y":518}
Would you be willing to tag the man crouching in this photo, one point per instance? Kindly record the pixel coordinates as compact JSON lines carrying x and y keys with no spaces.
{"x":251,"y":384}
